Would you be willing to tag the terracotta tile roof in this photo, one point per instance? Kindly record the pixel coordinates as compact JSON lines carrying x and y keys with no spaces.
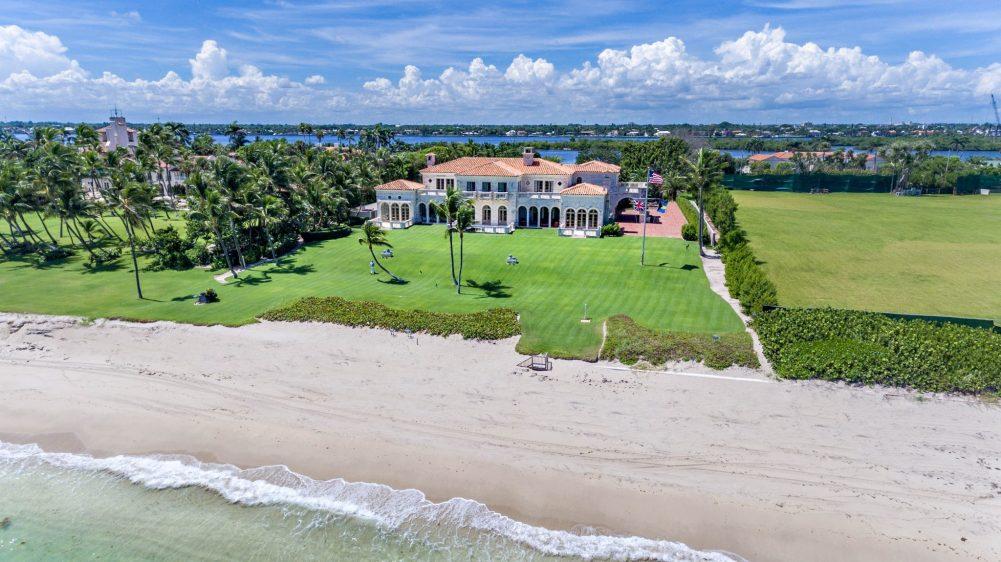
{"x":595,"y":166}
{"x":399,"y":185}
{"x":584,"y":189}
{"x":492,"y":166}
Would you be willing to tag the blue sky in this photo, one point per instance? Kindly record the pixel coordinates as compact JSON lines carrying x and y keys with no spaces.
{"x":514,"y":61}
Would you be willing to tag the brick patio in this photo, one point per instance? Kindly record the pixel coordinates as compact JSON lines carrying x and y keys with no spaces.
{"x":666,"y":225}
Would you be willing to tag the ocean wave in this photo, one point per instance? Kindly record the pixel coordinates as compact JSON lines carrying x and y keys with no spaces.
{"x":379,"y":504}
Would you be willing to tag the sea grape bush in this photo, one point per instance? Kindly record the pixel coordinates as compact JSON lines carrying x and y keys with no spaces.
{"x":869,"y":348}
{"x":630,"y":342}
{"x":492,"y":324}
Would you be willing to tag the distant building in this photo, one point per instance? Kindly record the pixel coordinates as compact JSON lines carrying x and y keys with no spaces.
{"x":872,"y":162}
{"x":117,"y":134}
{"x":509,"y":193}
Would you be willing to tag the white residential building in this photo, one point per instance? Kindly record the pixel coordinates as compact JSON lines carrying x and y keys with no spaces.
{"x":510,"y":193}
{"x":117,"y":134}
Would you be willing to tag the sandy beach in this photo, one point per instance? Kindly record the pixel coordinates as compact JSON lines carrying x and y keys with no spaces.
{"x":770,"y":470}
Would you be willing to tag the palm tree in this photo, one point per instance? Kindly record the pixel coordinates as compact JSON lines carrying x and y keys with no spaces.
{"x":207,"y":207}
{"x":305,"y":129}
{"x":449,"y":210}
{"x":134,"y":202}
{"x":463,"y":222}
{"x":320,"y":133}
{"x":703,"y":173}
{"x":376,"y":236}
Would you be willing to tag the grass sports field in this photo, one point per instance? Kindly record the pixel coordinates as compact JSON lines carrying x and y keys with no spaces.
{"x":549,"y":288}
{"x":920,"y":255}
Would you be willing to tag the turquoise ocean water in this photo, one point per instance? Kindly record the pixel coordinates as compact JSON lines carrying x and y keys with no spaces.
{"x":58,"y":506}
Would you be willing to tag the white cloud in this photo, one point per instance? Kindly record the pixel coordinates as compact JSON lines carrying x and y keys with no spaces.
{"x":759,"y":71}
{"x":524,"y":69}
{"x":132,"y":16}
{"x":210,"y":63}
{"x":758,"y":75}
{"x":38,"y":80}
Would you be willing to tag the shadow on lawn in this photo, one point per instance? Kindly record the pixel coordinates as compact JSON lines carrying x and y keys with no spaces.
{"x":103,"y":268}
{"x":491,"y":289}
{"x":686,"y":267}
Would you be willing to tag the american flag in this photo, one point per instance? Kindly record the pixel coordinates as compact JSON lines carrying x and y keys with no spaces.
{"x":638,"y":206}
{"x":654,"y":178}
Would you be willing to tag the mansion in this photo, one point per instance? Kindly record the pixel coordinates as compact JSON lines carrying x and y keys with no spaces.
{"x":509,"y":193}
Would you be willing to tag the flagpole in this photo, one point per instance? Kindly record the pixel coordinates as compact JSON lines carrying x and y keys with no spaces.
{"x":646,"y":195}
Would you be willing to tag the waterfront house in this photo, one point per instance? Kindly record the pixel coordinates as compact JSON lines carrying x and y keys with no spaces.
{"x":509,"y":193}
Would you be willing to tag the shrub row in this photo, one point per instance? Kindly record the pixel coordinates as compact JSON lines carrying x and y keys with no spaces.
{"x":630,"y":342}
{"x":746,"y":280}
{"x":690,"y":231}
{"x":492,"y":324}
{"x":869,"y":348}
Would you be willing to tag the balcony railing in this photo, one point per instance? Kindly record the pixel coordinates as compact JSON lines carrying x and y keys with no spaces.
{"x":579,"y":232}
{"x":492,"y":194}
{"x":494,"y":228}
{"x":541,"y":195}
{"x":394,"y":225}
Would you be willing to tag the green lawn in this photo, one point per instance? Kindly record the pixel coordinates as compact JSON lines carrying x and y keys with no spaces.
{"x":549,"y":288}
{"x":920,"y":255}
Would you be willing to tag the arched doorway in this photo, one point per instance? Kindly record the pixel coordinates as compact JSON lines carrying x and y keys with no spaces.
{"x":384,"y":212}
{"x":533,"y":217}
{"x":404,"y":212}
{"x":581,"y":218}
{"x":570,"y":219}
{"x":422,"y":213}
{"x":485,"y":215}
{"x":394,"y":212}
{"x":625,"y":211}
{"x":522,"y":216}
{"x":544,"y":217}
{"x":592,"y":218}
{"x":502,"y":215}
{"x":554,"y":217}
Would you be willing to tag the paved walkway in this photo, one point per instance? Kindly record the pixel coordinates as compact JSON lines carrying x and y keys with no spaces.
{"x":667,"y":224}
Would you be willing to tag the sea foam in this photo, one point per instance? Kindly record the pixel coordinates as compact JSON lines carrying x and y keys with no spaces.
{"x":395,"y":510}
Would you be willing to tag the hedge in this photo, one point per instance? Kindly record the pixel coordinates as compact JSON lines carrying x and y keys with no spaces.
{"x":746,"y":280}
{"x":869,"y":348}
{"x":332,"y":233}
{"x":630,"y":342}
{"x":491,"y":324}
{"x":690,"y":230}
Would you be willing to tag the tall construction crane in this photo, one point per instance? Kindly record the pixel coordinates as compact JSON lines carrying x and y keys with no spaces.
{"x":997,"y":118}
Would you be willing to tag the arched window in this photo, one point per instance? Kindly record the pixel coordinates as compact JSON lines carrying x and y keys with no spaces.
{"x":502,"y":215}
{"x":581,"y":218}
{"x":554,"y":217}
{"x":522,"y":216}
{"x":405,"y":212}
{"x":592,"y":218}
{"x":544,"y":217}
{"x":533,"y":216}
{"x":485,"y":215}
{"x":384,"y":213}
{"x":569,"y":222}
{"x":395,"y":212}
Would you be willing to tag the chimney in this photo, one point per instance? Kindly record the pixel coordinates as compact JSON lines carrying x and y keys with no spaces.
{"x":430,"y":159}
{"x":528,"y":156}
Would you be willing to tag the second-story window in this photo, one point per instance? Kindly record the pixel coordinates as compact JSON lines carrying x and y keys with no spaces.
{"x":470,"y":186}
{"x":485,"y":186}
{"x":439,"y":183}
{"x":502,"y":187}
{"x":543,"y":186}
